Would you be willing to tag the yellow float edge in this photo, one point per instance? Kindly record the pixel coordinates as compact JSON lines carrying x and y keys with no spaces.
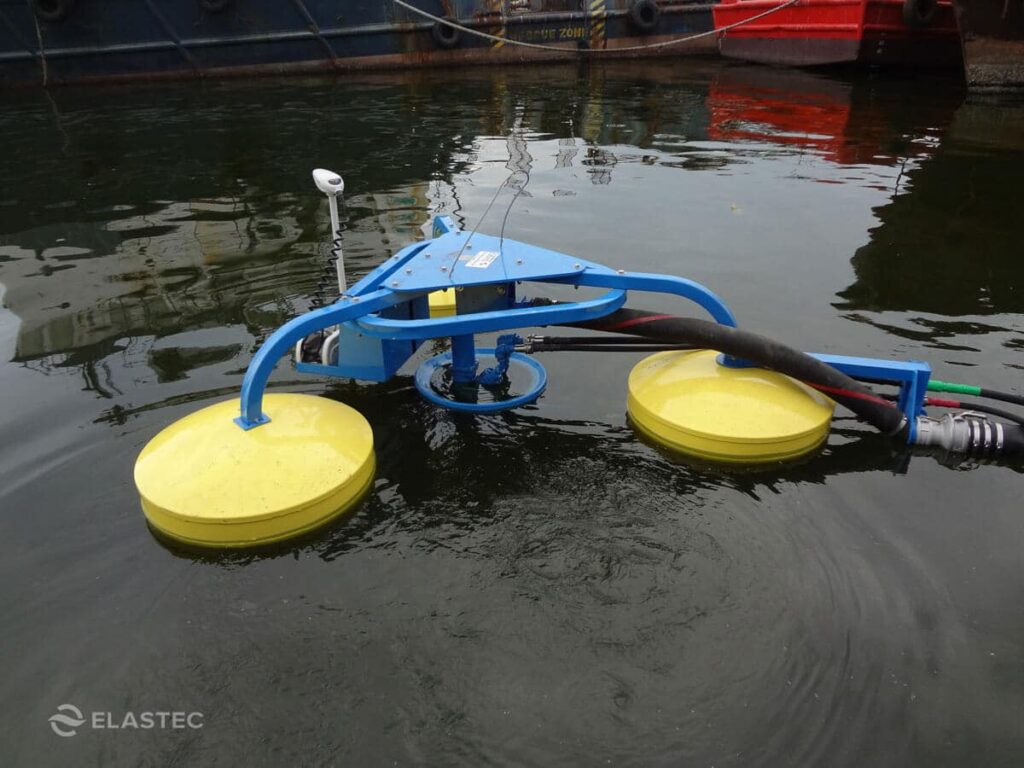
{"x":282,"y":526}
{"x":728,"y":450}
{"x":725,"y":451}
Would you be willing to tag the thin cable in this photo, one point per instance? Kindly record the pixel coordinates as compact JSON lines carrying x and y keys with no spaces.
{"x":583,"y":51}
{"x":504,"y":221}
{"x":451,"y":271}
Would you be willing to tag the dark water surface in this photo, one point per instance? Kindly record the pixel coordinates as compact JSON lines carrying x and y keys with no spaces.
{"x":537,"y":588}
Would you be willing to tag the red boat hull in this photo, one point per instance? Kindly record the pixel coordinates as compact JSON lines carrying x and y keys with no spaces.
{"x":831,"y":32}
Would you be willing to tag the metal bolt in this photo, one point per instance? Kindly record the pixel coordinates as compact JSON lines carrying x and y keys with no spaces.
{"x":621,"y":271}
{"x":408,"y":271}
{"x":394,"y":283}
{"x":426,"y":255}
{"x":355,"y":299}
{"x":444,"y":269}
{"x":519,"y":261}
{"x":577,"y":266}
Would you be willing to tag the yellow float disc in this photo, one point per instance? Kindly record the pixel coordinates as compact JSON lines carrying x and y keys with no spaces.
{"x":688,"y":402}
{"x":442,"y":303}
{"x":206,"y":481}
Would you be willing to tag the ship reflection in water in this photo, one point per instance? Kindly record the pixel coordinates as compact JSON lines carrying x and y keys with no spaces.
{"x":952,"y":245}
{"x":181,"y":243}
{"x":849,"y":122}
{"x":957,"y":171}
{"x":582,"y":594}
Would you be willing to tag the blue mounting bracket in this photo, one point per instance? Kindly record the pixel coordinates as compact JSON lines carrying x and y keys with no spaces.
{"x":912,"y":377}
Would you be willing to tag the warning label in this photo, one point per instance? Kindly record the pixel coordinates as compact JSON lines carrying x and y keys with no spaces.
{"x":482,"y":259}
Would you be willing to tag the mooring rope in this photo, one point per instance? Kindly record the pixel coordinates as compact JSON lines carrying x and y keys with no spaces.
{"x":580,"y":51}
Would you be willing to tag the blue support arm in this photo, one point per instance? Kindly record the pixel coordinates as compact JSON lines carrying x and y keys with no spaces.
{"x":596,"y":276}
{"x":283,"y":341}
{"x":497,"y":320}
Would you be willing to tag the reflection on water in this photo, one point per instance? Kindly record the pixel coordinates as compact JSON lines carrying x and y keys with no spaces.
{"x":537,"y":587}
{"x":952,"y":244}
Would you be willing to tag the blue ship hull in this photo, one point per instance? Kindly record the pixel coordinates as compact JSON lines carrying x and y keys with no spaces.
{"x":45,"y":42}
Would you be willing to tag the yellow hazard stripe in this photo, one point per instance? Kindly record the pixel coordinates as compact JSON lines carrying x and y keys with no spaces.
{"x":500,"y":31}
{"x":598,"y":15}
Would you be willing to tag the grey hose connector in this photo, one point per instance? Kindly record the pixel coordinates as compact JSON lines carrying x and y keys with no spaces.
{"x":970,"y":434}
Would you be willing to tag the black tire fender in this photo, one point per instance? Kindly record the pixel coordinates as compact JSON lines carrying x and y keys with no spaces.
{"x":52,"y":11}
{"x":214,"y":6}
{"x":444,"y":36}
{"x":644,"y":16}
{"x":919,"y":13}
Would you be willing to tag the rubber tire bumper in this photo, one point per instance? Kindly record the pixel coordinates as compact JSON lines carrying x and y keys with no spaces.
{"x":52,"y":10}
{"x":445,"y":37}
{"x":644,"y":16}
{"x":919,"y":13}
{"x":214,"y":6}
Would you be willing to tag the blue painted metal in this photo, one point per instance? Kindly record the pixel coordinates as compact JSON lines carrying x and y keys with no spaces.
{"x":385,"y":316}
{"x":912,"y":377}
{"x":492,"y":377}
{"x":520,"y":316}
{"x":463,"y":358}
{"x":282,"y":341}
{"x":534,"y":389}
{"x":124,"y":39}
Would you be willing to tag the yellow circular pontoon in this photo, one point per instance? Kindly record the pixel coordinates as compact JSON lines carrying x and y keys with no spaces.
{"x":686,"y":401}
{"x":207,"y":482}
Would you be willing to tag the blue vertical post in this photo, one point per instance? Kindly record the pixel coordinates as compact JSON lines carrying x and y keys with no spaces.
{"x":463,"y":359}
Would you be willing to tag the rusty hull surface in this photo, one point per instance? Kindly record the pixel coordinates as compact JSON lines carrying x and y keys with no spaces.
{"x":262,"y":45}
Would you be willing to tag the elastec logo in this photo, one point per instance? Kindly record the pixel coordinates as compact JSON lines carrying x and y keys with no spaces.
{"x":69,"y":718}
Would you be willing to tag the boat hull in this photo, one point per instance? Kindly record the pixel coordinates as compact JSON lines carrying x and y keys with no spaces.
{"x":173,"y":39}
{"x":992,"y":32}
{"x":837,"y":32}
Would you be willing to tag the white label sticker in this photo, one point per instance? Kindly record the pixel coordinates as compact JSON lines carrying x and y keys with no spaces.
{"x":482,"y":259}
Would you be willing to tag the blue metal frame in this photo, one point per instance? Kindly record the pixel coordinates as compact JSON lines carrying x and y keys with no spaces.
{"x":388,"y":308}
{"x":534,"y":389}
{"x":912,"y":377}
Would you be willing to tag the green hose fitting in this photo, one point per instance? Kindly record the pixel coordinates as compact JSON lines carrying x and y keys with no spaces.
{"x":947,"y":386}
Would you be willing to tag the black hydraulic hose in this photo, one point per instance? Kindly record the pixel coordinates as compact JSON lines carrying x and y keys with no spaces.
{"x":617,"y":340}
{"x":763,"y":352}
{"x":647,"y":348}
{"x":966,"y":405}
{"x":982,"y":408}
{"x":1006,"y":397}
{"x":1013,"y":440}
